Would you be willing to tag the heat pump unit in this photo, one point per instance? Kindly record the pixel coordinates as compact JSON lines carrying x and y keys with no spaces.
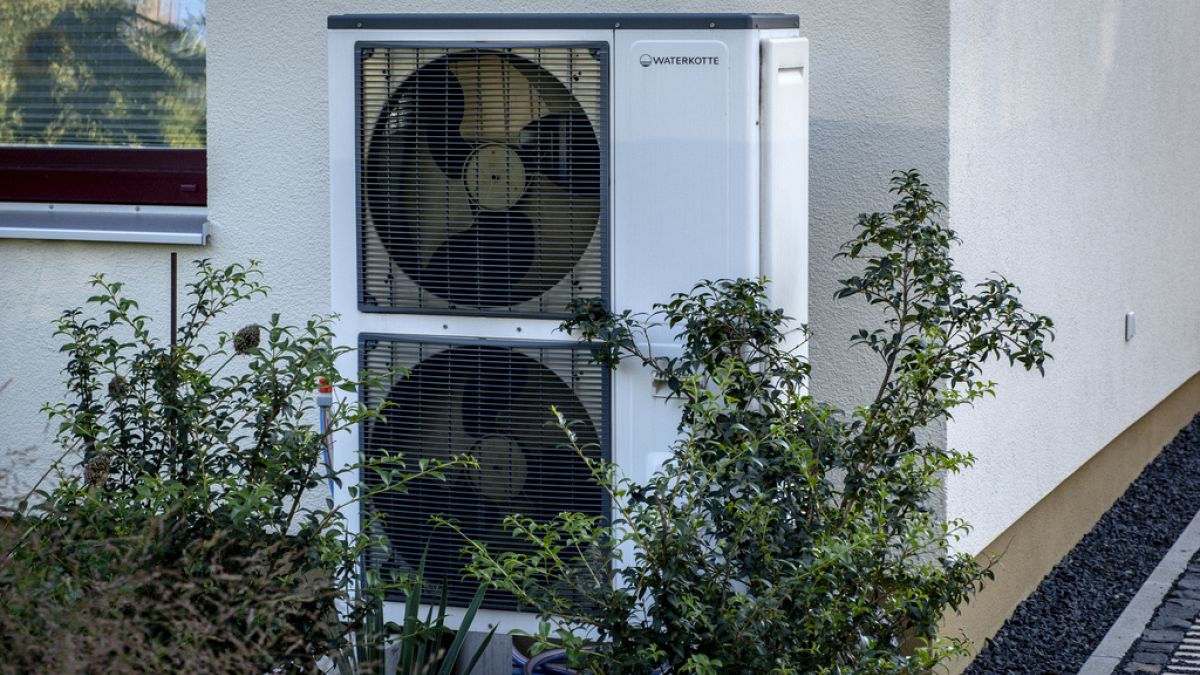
{"x":485,"y":171}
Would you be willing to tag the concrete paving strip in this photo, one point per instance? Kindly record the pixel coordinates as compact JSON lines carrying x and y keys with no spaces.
{"x":1132,"y":622}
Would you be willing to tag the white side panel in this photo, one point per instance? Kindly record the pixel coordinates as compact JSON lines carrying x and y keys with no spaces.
{"x":685,"y":165}
{"x":685,"y":191}
{"x":784,"y":217}
{"x":645,"y":424}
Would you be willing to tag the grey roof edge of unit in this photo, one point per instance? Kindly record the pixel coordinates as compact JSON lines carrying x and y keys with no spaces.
{"x":518,"y":21}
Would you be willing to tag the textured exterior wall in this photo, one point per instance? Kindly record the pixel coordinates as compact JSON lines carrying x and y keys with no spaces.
{"x":1075,"y":148}
{"x":880,"y":71}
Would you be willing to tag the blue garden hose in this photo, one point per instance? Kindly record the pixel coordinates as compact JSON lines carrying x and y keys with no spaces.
{"x":550,"y":662}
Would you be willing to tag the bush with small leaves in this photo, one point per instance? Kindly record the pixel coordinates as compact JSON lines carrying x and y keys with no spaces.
{"x":178,"y":535}
{"x":783,"y":535}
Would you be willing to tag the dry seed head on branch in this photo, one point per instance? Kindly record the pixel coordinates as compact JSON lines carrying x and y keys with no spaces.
{"x":118,"y":388}
{"x":247,"y":338}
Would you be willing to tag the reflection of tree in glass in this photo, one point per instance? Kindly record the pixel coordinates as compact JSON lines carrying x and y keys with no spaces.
{"x":98,"y":73}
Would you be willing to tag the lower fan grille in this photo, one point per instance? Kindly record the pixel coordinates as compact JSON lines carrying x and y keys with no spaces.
{"x":490,"y":400}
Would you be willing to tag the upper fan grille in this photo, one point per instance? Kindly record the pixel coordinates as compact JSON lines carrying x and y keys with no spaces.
{"x":483,"y":178}
{"x":491,"y":401}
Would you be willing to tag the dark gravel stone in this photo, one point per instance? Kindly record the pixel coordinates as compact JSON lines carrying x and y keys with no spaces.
{"x":1151,"y":658}
{"x":1175,"y":609}
{"x":1172,"y":636}
{"x":1178,"y":622}
{"x":1059,"y":625}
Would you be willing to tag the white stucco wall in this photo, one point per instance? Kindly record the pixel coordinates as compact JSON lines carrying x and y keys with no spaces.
{"x":879,"y":98}
{"x":1074,"y":157}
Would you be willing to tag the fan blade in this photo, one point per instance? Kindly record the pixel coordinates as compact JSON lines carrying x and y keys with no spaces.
{"x":549,"y":459}
{"x":432,"y":102}
{"x":564,"y":224}
{"x":489,"y":393}
{"x":563,"y":147}
{"x":523,"y":459}
{"x":414,"y":207}
{"x":481,"y":266}
{"x":499,"y":98}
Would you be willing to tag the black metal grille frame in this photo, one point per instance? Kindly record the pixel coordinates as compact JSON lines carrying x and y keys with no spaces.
{"x":483,"y":177}
{"x":490,"y":399}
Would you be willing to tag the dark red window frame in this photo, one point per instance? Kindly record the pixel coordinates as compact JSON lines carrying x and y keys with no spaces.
{"x":156,"y":176}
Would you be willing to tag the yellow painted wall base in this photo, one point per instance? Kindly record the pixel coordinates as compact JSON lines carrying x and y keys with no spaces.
{"x":1030,"y":548}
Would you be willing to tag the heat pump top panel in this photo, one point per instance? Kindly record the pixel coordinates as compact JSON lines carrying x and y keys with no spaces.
{"x":626,"y":21}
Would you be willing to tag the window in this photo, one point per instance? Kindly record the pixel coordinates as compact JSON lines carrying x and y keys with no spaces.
{"x":102,"y":102}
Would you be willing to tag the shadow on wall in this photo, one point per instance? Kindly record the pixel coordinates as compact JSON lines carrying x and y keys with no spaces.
{"x":850,"y":162}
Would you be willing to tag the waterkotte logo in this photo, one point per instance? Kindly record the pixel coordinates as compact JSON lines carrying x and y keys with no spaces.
{"x":646,"y":60}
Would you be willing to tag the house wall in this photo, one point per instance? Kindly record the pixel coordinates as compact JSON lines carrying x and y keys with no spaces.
{"x":1074,"y":156}
{"x":879,"y":103}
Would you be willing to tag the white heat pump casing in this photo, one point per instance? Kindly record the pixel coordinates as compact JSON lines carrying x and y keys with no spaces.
{"x":708,"y":179}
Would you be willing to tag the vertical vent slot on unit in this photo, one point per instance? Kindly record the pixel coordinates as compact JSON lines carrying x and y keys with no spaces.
{"x":491,"y":400}
{"x":483,"y":178}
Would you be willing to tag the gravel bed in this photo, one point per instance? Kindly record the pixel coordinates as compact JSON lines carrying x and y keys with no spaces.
{"x":1059,"y":625}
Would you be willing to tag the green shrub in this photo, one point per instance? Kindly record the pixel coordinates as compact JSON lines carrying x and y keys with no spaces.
{"x":783,"y":535}
{"x":181,"y":533}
